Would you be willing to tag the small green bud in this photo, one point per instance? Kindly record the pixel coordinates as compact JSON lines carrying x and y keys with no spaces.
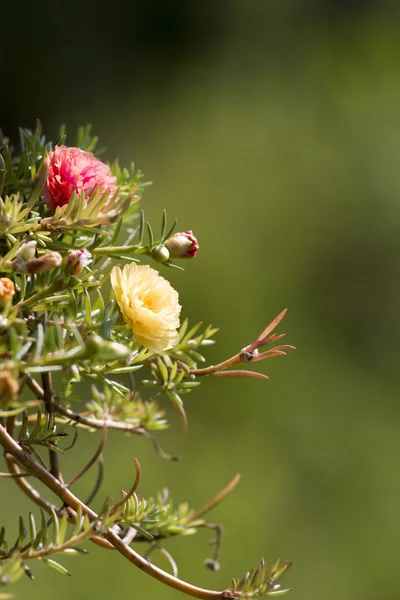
{"x":5,"y":222}
{"x":105,"y":349}
{"x":160,"y":254}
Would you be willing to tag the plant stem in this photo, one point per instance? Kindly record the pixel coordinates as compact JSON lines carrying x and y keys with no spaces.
{"x":60,"y":490}
{"x":48,"y":397}
{"x":234,"y":360}
{"x":117,"y":249}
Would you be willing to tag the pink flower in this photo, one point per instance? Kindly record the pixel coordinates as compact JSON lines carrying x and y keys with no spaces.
{"x":72,"y":169}
{"x":182,"y":245}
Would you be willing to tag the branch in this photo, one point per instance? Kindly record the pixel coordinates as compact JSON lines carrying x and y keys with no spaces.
{"x":90,"y":422}
{"x":94,"y":458}
{"x":96,"y":423}
{"x":130,"y":493}
{"x":60,"y":490}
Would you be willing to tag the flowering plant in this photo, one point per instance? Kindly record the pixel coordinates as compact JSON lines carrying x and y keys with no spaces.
{"x":69,"y":223}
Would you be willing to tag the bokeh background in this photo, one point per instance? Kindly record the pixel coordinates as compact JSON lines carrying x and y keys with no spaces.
{"x":272,"y":129}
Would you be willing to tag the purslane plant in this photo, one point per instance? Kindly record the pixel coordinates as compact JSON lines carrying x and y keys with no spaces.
{"x":69,"y":224}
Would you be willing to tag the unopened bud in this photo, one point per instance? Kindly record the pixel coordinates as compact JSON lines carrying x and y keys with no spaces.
{"x":27,"y":251}
{"x":105,"y":349}
{"x":108,"y":219}
{"x":47,"y":262}
{"x":8,"y":388}
{"x":77,"y":260}
{"x":160,"y":254}
{"x":5,"y":222}
{"x":182,"y":245}
{"x":7,"y":290}
{"x":212,"y":564}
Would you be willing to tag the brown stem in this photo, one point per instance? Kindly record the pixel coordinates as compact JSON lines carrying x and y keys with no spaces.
{"x":130,"y":493}
{"x":48,"y":396}
{"x":13,"y":476}
{"x":94,"y":458}
{"x":216,"y":500}
{"x":34,"y":495}
{"x":58,"y":488}
{"x":234,"y":360}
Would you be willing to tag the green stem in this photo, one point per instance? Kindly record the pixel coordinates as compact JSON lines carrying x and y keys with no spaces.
{"x":117,"y":249}
{"x":54,"y":287}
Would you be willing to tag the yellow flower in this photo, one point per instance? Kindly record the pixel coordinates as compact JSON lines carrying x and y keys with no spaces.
{"x":7,"y":290}
{"x":149,"y":304}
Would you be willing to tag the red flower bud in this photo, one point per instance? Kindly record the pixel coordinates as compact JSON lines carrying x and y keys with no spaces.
{"x":182,"y":245}
{"x":77,"y":260}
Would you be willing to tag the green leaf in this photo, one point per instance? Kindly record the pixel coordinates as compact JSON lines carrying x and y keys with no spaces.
{"x":162,"y":370}
{"x":171,"y":230}
{"x":150,"y":234}
{"x":39,"y":341}
{"x":141,"y":228}
{"x":32,"y":528}
{"x":21,"y":533}
{"x":55,"y":565}
{"x":163,"y":225}
{"x":56,"y":529}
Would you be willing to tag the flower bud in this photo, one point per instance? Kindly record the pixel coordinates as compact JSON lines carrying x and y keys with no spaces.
{"x":27,"y":251}
{"x":106,"y":350}
{"x":8,"y":388}
{"x":108,"y":219}
{"x":5,"y":222}
{"x":160,"y":254}
{"x":7,"y":290}
{"x":182,"y":245}
{"x":47,"y":262}
{"x":77,"y":260}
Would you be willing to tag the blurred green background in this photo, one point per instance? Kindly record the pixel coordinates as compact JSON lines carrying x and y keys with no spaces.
{"x":272,"y":129}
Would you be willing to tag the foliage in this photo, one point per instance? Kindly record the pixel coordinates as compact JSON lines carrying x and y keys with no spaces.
{"x":60,"y":328}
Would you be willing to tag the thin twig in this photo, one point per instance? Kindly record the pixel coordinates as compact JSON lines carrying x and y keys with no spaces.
{"x":213,"y":563}
{"x":94,"y":458}
{"x":130,"y":493}
{"x":93,"y":423}
{"x":90,"y":422}
{"x":99,"y":481}
{"x":166,"y":554}
{"x":13,"y":476}
{"x":214,"y":501}
{"x":34,"y":386}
